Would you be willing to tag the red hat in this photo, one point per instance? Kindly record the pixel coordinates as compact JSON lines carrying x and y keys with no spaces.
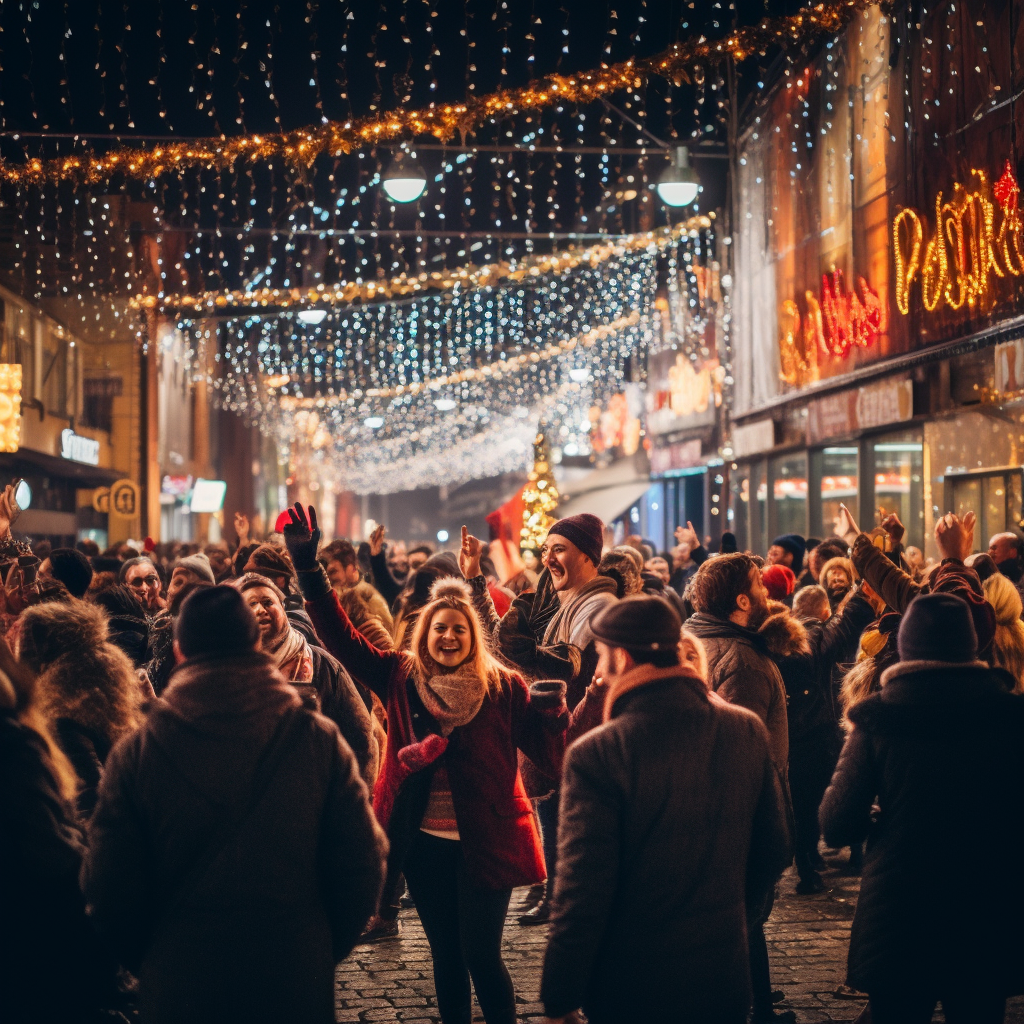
{"x":282,"y":521}
{"x":779,"y":581}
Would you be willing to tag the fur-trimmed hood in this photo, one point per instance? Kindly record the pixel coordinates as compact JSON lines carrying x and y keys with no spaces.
{"x":784,"y":635}
{"x":83,"y":677}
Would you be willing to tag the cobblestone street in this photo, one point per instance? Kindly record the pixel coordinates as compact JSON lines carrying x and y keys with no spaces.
{"x":807,"y":938}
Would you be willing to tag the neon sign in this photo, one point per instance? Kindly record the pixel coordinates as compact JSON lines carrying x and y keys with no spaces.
{"x":836,"y":321}
{"x":963,"y":251}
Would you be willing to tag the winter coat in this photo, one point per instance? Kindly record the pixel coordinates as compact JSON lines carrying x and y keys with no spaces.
{"x":340,"y":700}
{"x":245,"y":924}
{"x":741,"y":670}
{"x":88,"y":688}
{"x":495,"y":818}
{"x":671,"y":826}
{"x":53,"y":969}
{"x":941,"y":751}
{"x":807,"y":653}
{"x":376,"y":603}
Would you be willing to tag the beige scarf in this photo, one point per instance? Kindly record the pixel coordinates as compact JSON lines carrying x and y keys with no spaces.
{"x":291,"y":646}
{"x":643,"y":675}
{"x":453,"y":698}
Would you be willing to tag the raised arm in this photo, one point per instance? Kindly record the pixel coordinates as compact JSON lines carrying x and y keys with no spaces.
{"x":387,"y":586}
{"x":370,"y":665}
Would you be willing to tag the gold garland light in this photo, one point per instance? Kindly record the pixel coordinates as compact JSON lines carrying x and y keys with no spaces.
{"x":444,"y":122}
{"x":346,"y":292}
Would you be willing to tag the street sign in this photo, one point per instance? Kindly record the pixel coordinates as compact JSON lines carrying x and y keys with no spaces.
{"x":124,"y":499}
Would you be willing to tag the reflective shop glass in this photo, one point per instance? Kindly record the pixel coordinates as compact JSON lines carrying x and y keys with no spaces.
{"x":789,"y":493}
{"x":759,"y":488}
{"x":738,"y":516}
{"x":838,"y":485}
{"x":898,"y":462}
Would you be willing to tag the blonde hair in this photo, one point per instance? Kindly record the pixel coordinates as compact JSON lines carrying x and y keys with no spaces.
{"x":691,"y":645}
{"x":1008,"y":642}
{"x":455,"y":594}
{"x":858,"y":684}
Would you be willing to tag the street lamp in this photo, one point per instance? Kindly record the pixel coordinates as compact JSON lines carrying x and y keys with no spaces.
{"x":678,"y":184}
{"x":404,"y":181}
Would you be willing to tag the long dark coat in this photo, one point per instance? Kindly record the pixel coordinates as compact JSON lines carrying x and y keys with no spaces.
{"x":672,"y":825}
{"x":941,"y":751}
{"x":256,"y":937}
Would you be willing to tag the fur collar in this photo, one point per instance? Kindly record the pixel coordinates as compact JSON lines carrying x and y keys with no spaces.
{"x":956,"y":669}
{"x":784,"y":635}
{"x":644,"y":675}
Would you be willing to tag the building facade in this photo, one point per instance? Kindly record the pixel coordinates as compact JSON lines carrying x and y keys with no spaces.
{"x":879,"y":298}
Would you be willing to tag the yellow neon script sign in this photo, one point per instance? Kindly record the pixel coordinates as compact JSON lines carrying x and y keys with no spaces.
{"x":962,"y":248}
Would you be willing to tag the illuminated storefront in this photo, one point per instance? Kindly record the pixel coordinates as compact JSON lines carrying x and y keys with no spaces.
{"x":879,"y":255}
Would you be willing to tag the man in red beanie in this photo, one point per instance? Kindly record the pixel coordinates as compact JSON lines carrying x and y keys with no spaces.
{"x":779,"y":581}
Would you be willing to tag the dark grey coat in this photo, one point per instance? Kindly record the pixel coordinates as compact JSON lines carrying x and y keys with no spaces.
{"x":257,"y":936}
{"x":941,"y":751}
{"x":672,"y":824}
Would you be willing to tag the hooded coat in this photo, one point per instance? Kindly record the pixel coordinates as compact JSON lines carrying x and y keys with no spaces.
{"x":940,"y":750}
{"x":672,"y":826}
{"x":245,"y":924}
{"x":88,"y":688}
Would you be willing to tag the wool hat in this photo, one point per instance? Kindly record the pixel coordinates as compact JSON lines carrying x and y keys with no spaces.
{"x":586,"y":531}
{"x":72,"y":568}
{"x":266,"y":559}
{"x":251,"y":580}
{"x":641,"y":622}
{"x":937,"y":627}
{"x":198,"y":566}
{"x":794,"y":544}
{"x":215,"y":622}
{"x":779,"y":581}
{"x":727,"y":545}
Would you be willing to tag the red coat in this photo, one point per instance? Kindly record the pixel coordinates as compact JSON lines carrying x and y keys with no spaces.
{"x":495,"y":817}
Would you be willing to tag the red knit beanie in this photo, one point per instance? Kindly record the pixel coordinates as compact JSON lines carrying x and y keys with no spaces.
{"x":779,"y":581}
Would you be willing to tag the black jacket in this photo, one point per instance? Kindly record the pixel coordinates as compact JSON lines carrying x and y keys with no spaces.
{"x":941,"y":751}
{"x":672,"y":825}
{"x":53,"y":970}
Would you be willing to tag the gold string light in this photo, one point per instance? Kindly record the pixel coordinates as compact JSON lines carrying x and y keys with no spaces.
{"x":346,"y":292}
{"x":302,"y":146}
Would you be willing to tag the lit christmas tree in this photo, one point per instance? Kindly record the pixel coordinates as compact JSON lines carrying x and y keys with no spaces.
{"x":540,"y":497}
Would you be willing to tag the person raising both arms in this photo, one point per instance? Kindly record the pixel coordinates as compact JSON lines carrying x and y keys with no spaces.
{"x":449,"y":794}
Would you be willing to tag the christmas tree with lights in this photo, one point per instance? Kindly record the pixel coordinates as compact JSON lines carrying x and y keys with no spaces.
{"x":540,"y":497}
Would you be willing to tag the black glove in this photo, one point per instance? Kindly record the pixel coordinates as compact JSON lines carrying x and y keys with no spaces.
{"x":302,"y":538}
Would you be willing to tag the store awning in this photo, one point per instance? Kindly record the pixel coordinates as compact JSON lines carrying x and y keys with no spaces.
{"x":26,"y":462}
{"x":606,"y":493}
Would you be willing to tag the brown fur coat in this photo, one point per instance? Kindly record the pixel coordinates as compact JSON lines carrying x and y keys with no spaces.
{"x":784,"y":634}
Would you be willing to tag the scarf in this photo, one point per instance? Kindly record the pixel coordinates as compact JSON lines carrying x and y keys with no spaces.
{"x":644,"y":675}
{"x":453,"y":698}
{"x":246,"y":684}
{"x":560,"y":628}
{"x":289,"y":647}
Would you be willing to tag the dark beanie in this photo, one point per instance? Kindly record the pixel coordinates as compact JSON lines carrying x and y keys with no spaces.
{"x":937,"y":627}
{"x":586,"y":531}
{"x":72,"y":568}
{"x":640,"y":622}
{"x":728,"y":543}
{"x":794,"y":544}
{"x":215,"y":622}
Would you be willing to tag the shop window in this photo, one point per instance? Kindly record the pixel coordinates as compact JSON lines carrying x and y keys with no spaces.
{"x":995,"y":498}
{"x":899,"y":481}
{"x":789,"y":493}
{"x":738,"y":514}
{"x":838,"y":486}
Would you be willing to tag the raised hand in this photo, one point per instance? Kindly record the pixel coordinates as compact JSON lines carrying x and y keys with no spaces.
{"x":242,"y":528}
{"x":377,"y":541}
{"x":469,"y":554}
{"x":953,"y":537}
{"x":687,"y":535}
{"x":846,"y":526}
{"x":302,"y":537}
{"x":9,"y":510}
{"x":894,"y":528}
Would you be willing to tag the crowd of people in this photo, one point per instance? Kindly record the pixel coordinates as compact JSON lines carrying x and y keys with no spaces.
{"x":224,"y":768}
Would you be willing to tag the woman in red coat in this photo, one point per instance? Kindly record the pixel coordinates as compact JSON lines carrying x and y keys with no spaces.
{"x":449,"y":794}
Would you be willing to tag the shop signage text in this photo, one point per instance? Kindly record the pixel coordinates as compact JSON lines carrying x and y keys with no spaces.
{"x":836,"y":321}
{"x":970,"y":242}
{"x":680,"y":455}
{"x":874,"y":405}
{"x":79,"y":449}
{"x":751,"y":438}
